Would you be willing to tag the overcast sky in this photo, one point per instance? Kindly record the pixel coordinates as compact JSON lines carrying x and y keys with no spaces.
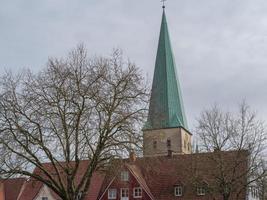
{"x":220,"y":46}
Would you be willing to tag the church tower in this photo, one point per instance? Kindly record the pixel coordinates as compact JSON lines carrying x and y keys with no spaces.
{"x":166,"y":127}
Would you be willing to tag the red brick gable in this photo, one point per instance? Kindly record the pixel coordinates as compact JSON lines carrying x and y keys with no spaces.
{"x":12,"y":188}
{"x":135,"y":180}
{"x":136,"y":172}
{"x":32,"y":187}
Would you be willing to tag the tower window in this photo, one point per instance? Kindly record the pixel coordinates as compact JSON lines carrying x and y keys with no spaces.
{"x":155,"y":144}
{"x":254,"y":192}
{"x":169,"y":143}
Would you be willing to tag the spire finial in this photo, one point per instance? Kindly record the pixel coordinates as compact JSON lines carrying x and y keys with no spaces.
{"x":163,"y":3}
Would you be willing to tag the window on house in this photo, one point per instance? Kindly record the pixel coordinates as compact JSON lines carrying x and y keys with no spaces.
{"x":201,"y":190}
{"x":112,"y":193}
{"x":137,"y":192}
{"x":125,"y":176}
{"x":155,"y":144}
{"x":124,"y":193}
{"x":44,"y":198}
{"x":169,"y":143}
{"x":178,"y":191}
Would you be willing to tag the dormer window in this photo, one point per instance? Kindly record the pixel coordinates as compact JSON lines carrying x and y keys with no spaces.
{"x":125,"y":176}
{"x":178,"y":191}
{"x":201,"y":190}
{"x":44,"y":198}
{"x":155,"y":144}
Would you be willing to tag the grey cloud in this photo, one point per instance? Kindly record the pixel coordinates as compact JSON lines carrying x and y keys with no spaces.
{"x":220,"y":45}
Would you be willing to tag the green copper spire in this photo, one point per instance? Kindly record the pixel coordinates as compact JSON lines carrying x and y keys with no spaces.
{"x":166,"y":108}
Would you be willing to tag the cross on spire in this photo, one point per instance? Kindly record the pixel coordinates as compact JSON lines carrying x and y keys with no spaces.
{"x":163,"y":3}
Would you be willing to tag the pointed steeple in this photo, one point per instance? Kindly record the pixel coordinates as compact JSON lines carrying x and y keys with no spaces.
{"x":166,"y":109}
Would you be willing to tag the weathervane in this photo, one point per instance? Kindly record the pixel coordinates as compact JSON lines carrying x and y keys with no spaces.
{"x":163,"y":3}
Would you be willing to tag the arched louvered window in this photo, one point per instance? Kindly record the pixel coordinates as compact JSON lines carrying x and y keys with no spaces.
{"x":155,"y":144}
{"x":169,"y":144}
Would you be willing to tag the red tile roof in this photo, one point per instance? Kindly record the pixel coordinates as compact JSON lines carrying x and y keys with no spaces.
{"x":162,"y":173}
{"x":156,"y":175}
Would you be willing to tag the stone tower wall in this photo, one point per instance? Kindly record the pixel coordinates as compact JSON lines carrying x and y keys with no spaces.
{"x":160,"y":141}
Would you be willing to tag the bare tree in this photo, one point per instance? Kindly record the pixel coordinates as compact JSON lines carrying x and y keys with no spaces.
{"x":76,"y":108}
{"x":224,"y":131}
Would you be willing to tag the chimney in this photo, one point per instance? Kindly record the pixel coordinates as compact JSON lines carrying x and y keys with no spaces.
{"x":132,"y":157}
{"x":170,"y":153}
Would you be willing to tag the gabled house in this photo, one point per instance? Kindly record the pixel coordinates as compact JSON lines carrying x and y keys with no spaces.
{"x":180,"y":176}
{"x":184,"y":176}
